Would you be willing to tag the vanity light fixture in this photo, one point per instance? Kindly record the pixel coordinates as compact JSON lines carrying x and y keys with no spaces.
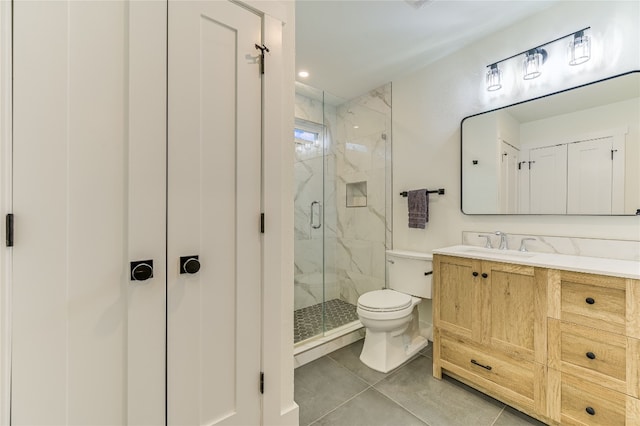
{"x":494,"y":77}
{"x":532,"y":65}
{"x":579,"y":51}
{"x":579,"y":48}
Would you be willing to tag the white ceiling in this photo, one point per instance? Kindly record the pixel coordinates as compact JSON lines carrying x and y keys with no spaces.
{"x":352,"y":46}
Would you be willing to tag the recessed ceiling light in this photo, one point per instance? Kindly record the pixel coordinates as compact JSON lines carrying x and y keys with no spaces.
{"x":303,"y":74}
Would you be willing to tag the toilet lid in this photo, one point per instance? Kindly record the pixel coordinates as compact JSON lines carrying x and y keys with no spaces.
{"x":384,"y":301}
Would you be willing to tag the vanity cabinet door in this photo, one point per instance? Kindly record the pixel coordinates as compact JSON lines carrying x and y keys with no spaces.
{"x":514,"y":309}
{"x":457,"y":296}
{"x":490,"y":323}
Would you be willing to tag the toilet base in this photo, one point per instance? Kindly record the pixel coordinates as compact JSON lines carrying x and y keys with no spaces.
{"x":384,"y":351}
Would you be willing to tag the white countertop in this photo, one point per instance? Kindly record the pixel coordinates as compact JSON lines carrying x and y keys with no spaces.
{"x":590,"y":265}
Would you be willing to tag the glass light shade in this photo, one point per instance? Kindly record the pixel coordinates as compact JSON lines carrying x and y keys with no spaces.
{"x":532,"y":64}
{"x":579,"y":49}
{"x":494,"y":78}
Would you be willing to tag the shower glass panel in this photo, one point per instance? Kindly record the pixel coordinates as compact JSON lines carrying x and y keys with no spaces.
{"x":342,"y":153}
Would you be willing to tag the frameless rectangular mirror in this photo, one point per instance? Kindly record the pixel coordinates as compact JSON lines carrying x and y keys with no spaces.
{"x":572,"y":152}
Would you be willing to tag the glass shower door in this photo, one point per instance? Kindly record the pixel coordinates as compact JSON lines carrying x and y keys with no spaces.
{"x":309,"y":165}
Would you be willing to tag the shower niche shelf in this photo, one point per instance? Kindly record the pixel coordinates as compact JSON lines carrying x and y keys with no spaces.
{"x":357,"y":194}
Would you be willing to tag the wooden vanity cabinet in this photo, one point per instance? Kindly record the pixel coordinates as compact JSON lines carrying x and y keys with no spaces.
{"x":490,"y":327}
{"x":561,"y":346}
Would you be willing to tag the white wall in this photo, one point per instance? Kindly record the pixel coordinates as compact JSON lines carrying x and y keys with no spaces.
{"x":429,"y":105}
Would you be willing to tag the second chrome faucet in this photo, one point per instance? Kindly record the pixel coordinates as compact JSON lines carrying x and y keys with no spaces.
{"x":503,"y":240}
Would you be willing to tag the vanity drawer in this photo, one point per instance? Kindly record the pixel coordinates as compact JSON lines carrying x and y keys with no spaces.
{"x":584,"y":403}
{"x":594,"y":350}
{"x":594,"y":301}
{"x":514,"y":374}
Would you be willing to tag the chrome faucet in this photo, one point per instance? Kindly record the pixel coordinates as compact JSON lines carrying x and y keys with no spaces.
{"x":503,"y":240}
{"x":487,"y":243}
{"x":523,"y":246}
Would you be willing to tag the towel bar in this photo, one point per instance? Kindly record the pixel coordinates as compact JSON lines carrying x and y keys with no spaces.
{"x":437,"y":191}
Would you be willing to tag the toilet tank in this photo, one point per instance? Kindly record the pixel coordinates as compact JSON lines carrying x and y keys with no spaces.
{"x":407,"y":272}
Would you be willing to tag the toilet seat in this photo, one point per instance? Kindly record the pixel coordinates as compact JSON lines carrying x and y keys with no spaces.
{"x":384,"y":301}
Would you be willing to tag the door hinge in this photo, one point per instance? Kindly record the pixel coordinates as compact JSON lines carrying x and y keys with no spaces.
{"x":262,"y":223}
{"x":262,"y":49}
{"x":9,"y":229}
{"x":261,"y":382}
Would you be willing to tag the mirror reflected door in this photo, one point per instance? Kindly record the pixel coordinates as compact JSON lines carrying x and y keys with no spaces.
{"x":573,"y":152}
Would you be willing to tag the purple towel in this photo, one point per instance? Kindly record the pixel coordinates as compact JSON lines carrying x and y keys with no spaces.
{"x":418,"y":208}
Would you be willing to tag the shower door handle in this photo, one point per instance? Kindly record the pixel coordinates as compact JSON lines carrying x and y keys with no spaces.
{"x":313,"y":224}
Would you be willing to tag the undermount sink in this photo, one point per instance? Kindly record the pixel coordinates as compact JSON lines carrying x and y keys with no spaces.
{"x":497,"y":252}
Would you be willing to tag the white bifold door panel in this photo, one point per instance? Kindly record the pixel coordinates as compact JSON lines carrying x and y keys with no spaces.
{"x":69,"y":304}
{"x":214,"y":213}
{"x":127,"y":148}
{"x":509,"y":156}
{"x":591,"y":182}
{"x":548,"y":180}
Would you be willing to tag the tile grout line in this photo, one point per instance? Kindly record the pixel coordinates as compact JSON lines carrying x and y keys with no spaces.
{"x":499,"y":414}
{"x":340,"y":405}
{"x":350,"y":372}
{"x":372,"y":387}
{"x":402,"y":406}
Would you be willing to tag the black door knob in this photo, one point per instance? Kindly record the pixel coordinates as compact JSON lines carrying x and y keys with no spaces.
{"x":141,"y":270}
{"x":189,"y":264}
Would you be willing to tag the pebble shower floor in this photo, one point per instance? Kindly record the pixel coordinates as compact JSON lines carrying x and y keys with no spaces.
{"x":307,"y":322}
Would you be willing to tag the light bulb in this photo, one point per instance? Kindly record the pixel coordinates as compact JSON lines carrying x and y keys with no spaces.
{"x":579,"y":50}
{"x":494,"y":78}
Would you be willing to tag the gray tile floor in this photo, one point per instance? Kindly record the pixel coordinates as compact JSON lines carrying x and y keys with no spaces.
{"x":338,"y":389}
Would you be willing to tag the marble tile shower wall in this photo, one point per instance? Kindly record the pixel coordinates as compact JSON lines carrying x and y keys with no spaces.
{"x":309,"y":187}
{"x":363,"y":144}
{"x":358,"y":149}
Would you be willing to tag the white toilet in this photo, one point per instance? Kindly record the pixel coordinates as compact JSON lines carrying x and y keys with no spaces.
{"x":390,"y":316}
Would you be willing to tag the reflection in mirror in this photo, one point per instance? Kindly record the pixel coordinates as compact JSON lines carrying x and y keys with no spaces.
{"x":573,"y":152}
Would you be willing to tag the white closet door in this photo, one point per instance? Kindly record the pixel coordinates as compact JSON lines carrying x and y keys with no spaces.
{"x":548,"y":180}
{"x":590,"y":177}
{"x":146,"y":300}
{"x":508,"y":178}
{"x":213,"y":213}
{"x":70,"y":259}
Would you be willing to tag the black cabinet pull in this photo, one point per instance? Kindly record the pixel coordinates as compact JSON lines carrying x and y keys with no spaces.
{"x":484,"y":275}
{"x":141,"y":270}
{"x":189,"y":264}
{"x":591,"y":355}
{"x":475,"y":274}
{"x":590,"y":300}
{"x":486,"y":367}
{"x":591,"y":411}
